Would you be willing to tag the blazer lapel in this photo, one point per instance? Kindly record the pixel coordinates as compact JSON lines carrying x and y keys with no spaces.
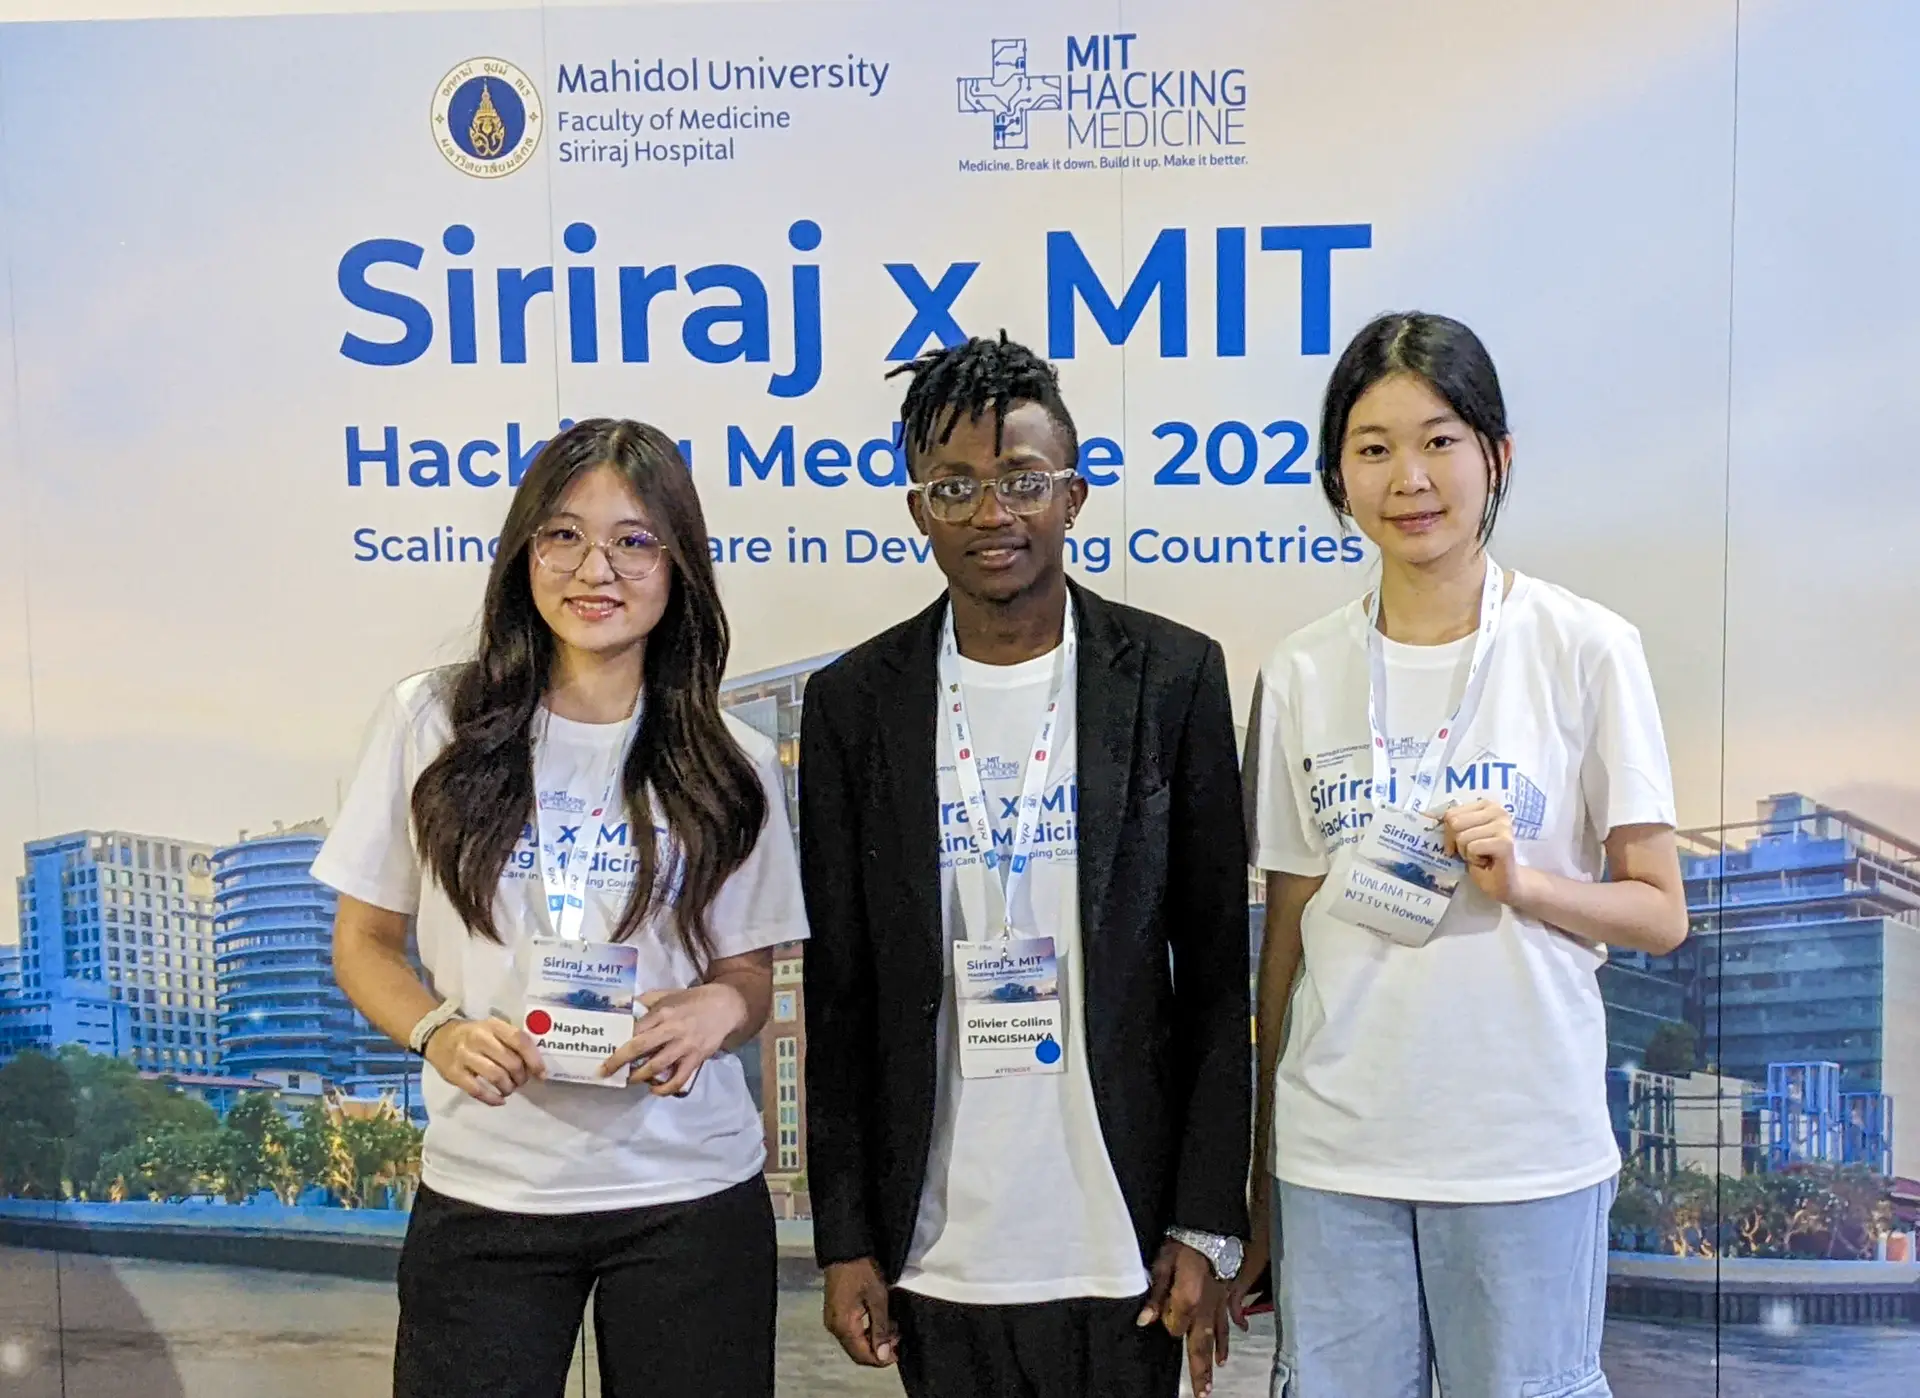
{"x":1107,"y":695}
{"x":906,"y":728}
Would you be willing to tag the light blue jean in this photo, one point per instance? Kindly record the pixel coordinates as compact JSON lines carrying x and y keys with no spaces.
{"x":1376,"y":1296}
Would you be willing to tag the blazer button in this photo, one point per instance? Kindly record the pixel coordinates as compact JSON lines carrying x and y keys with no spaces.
{"x":930,"y":1008}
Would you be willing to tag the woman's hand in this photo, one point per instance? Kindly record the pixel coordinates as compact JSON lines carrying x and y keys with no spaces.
{"x":680,"y":1030}
{"x":488,"y":1059}
{"x":1252,"y":1263}
{"x":1482,"y":835}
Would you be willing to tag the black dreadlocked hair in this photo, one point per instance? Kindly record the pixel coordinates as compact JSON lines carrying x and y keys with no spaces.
{"x":973,"y":378}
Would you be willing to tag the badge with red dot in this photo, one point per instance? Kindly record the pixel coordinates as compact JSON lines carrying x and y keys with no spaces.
{"x":579,"y":1007}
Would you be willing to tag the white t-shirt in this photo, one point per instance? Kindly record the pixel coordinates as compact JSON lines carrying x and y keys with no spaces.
{"x":1472,"y":1069}
{"x":1021,"y":1203}
{"x":557,"y":1148}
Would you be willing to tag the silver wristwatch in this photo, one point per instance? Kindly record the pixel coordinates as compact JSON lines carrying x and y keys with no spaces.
{"x":1223,"y":1254}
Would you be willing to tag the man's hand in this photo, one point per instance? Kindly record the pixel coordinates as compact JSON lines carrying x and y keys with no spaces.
{"x":856,"y":1313}
{"x":1186,"y":1299}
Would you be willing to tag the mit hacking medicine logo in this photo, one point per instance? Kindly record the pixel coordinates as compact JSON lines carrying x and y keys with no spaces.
{"x":994,"y":768}
{"x":1010,"y":93}
{"x":487,"y":118}
{"x":1113,"y":101}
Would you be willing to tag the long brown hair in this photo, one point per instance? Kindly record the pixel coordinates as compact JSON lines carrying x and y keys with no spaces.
{"x":472,"y":803}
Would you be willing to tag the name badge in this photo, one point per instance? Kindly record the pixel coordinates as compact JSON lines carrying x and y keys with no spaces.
{"x":1012,"y":1024}
{"x":1400,"y":880}
{"x":579,"y":1006}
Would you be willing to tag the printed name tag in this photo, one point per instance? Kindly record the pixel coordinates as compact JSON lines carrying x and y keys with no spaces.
{"x":1011,"y":1020}
{"x":579,"y":1006}
{"x":1400,"y":880}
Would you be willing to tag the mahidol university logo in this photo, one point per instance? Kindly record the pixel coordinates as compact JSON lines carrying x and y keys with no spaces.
{"x":486,"y":118}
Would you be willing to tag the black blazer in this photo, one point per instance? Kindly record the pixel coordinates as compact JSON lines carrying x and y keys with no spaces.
{"x":1163,"y":910}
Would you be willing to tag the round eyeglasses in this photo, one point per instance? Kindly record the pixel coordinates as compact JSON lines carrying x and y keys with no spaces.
{"x":953,"y":499}
{"x":633,"y":554}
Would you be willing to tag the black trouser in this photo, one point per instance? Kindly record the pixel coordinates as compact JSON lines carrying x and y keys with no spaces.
{"x":1087,"y":1348}
{"x":683,"y":1299}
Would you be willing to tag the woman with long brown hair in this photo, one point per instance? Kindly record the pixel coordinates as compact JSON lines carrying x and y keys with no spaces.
{"x":574,"y":827}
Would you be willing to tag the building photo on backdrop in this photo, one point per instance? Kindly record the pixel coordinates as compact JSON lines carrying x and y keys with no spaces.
{"x":295,"y":293}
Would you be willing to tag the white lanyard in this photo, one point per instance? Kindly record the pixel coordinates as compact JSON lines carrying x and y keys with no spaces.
{"x":1420,"y":789}
{"x":966,"y":765}
{"x":565,"y":875}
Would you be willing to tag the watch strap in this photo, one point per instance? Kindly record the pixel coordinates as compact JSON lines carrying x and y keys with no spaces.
{"x":429,"y":1022}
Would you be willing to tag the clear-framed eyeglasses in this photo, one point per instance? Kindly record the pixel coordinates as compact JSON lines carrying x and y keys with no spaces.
{"x":953,"y":499}
{"x":633,"y":554}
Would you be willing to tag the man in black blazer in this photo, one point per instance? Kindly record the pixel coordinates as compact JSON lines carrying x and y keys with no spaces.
{"x":1027,"y":1157}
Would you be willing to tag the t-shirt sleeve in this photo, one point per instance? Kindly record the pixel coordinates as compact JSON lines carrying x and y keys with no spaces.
{"x":760,"y":905}
{"x":1625,"y":777}
{"x":369,"y":855}
{"x":1282,"y":839}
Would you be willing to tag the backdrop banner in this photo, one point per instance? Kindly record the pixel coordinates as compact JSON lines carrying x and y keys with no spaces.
{"x":292,"y":302}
